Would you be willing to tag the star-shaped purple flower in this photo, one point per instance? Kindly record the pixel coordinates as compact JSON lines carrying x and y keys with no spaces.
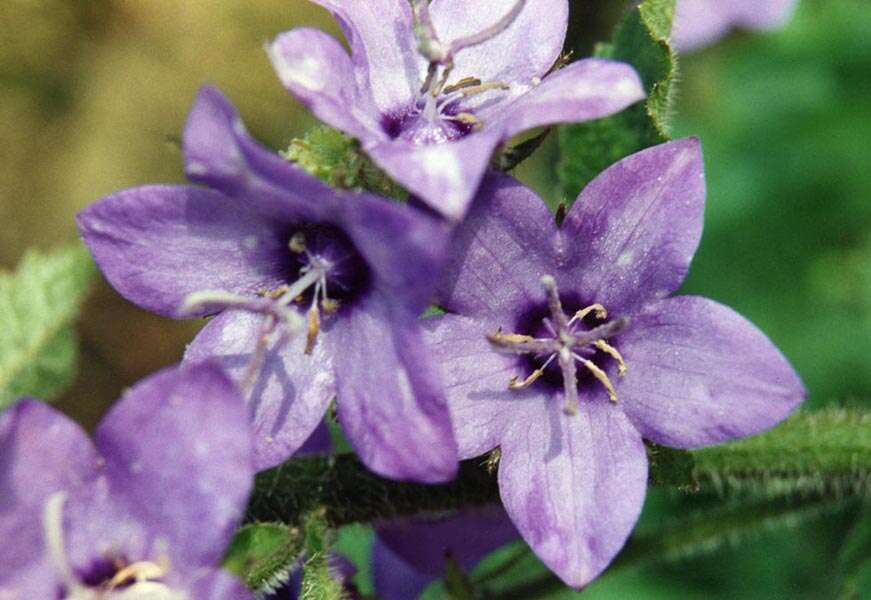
{"x":698,"y":23}
{"x":431,"y":89}
{"x":267,"y":247}
{"x":145,"y":511}
{"x":409,"y":554}
{"x":564,"y":349}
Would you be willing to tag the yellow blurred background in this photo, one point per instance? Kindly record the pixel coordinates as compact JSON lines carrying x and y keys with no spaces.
{"x":93,"y":96}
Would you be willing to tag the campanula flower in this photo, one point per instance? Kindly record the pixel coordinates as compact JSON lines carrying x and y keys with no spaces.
{"x":431,"y":89}
{"x":144,"y":511}
{"x":317,"y":293}
{"x":564,"y":348}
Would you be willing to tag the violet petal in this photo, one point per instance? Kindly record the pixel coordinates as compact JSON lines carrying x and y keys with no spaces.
{"x":698,"y":23}
{"x":290,"y":394}
{"x":157,"y":244}
{"x":27,"y":571}
{"x":527,"y":49}
{"x":476,"y":382}
{"x":406,"y":266}
{"x":633,"y":230}
{"x":41,"y":440}
{"x":446,"y":175}
{"x":700,"y":374}
{"x":44,"y":452}
{"x":383,"y":48}
{"x":584,"y":90}
{"x":315,"y":68}
{"x":500,"y":251}
{"x":220,"y":153}
{"x":188,"y":469}
{"x":574,"y":486}
{"x":214,"y":584}
{"x":467,"y":537}
{"x":394,"y":578}
{"x":402,"y":431}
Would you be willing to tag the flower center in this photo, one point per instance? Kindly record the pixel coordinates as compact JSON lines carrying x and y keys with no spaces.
{"x":439,"y":115}
{"x":325,"y":273}
{"x":329,"y":272}
{"x":112,"y":580}
{"x":564,"y":341}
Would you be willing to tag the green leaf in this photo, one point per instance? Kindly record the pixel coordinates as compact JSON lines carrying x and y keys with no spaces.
{"x":642,"y":41}
{"x":38,"y":306}
{"x":854,"y":559}
{"x":354,"y":542}
{"x":856,"y":548}
{"x":263,"y":554}
{"x":458,"y":584}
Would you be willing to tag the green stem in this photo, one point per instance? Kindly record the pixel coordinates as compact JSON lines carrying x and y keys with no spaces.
{"x":823,"y":454}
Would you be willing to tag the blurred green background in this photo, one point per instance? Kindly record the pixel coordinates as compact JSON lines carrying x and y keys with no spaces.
{"x":93,"y":95}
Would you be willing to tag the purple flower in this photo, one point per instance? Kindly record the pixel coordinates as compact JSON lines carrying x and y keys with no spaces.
{"x":273,"y":247}
{"x":145,"y":511}
{"x":409,"y":554}
{"x":431,"y":89}
{"x":565,"y":350}
{"x":698,"y":23}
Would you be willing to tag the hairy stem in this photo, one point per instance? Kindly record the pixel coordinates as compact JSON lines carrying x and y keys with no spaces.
{"x":824,"y":454}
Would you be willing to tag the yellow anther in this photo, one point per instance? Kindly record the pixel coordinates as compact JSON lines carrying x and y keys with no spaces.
{"x":600,"y":311}
{"x":297,"y":243}
{"x":314,"y":327}
{"x":463,"y":83}
{"x":509,"y":338}
{"x":277,"y":292}
{"x":138,"y":571}
{"x":603,"y":379}
{"x":613,"y":353}
{"x":484,"y":87}
{"x":466,"y":117}
{"x":516,"y":384}
{"x":492,"y":462}
{"x":329,"y":305}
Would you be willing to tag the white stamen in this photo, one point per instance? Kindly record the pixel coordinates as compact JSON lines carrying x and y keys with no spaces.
{"x":53,"y":532}
{"x":490,"y":32}
{"x":311,"y":277}
{"x":198,"y":301}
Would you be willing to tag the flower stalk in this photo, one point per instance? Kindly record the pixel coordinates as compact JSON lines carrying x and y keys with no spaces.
{"x":823,"y":454}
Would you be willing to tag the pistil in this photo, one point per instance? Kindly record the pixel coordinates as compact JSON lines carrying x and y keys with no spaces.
{"x":566,"y":345}
{"x":441,"y":56}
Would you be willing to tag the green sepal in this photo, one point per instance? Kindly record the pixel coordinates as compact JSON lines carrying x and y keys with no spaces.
{"x":338,"y":160}
{"x":262,"y":555}
{"x":458,"y":584}
{"x":317,"y":581}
